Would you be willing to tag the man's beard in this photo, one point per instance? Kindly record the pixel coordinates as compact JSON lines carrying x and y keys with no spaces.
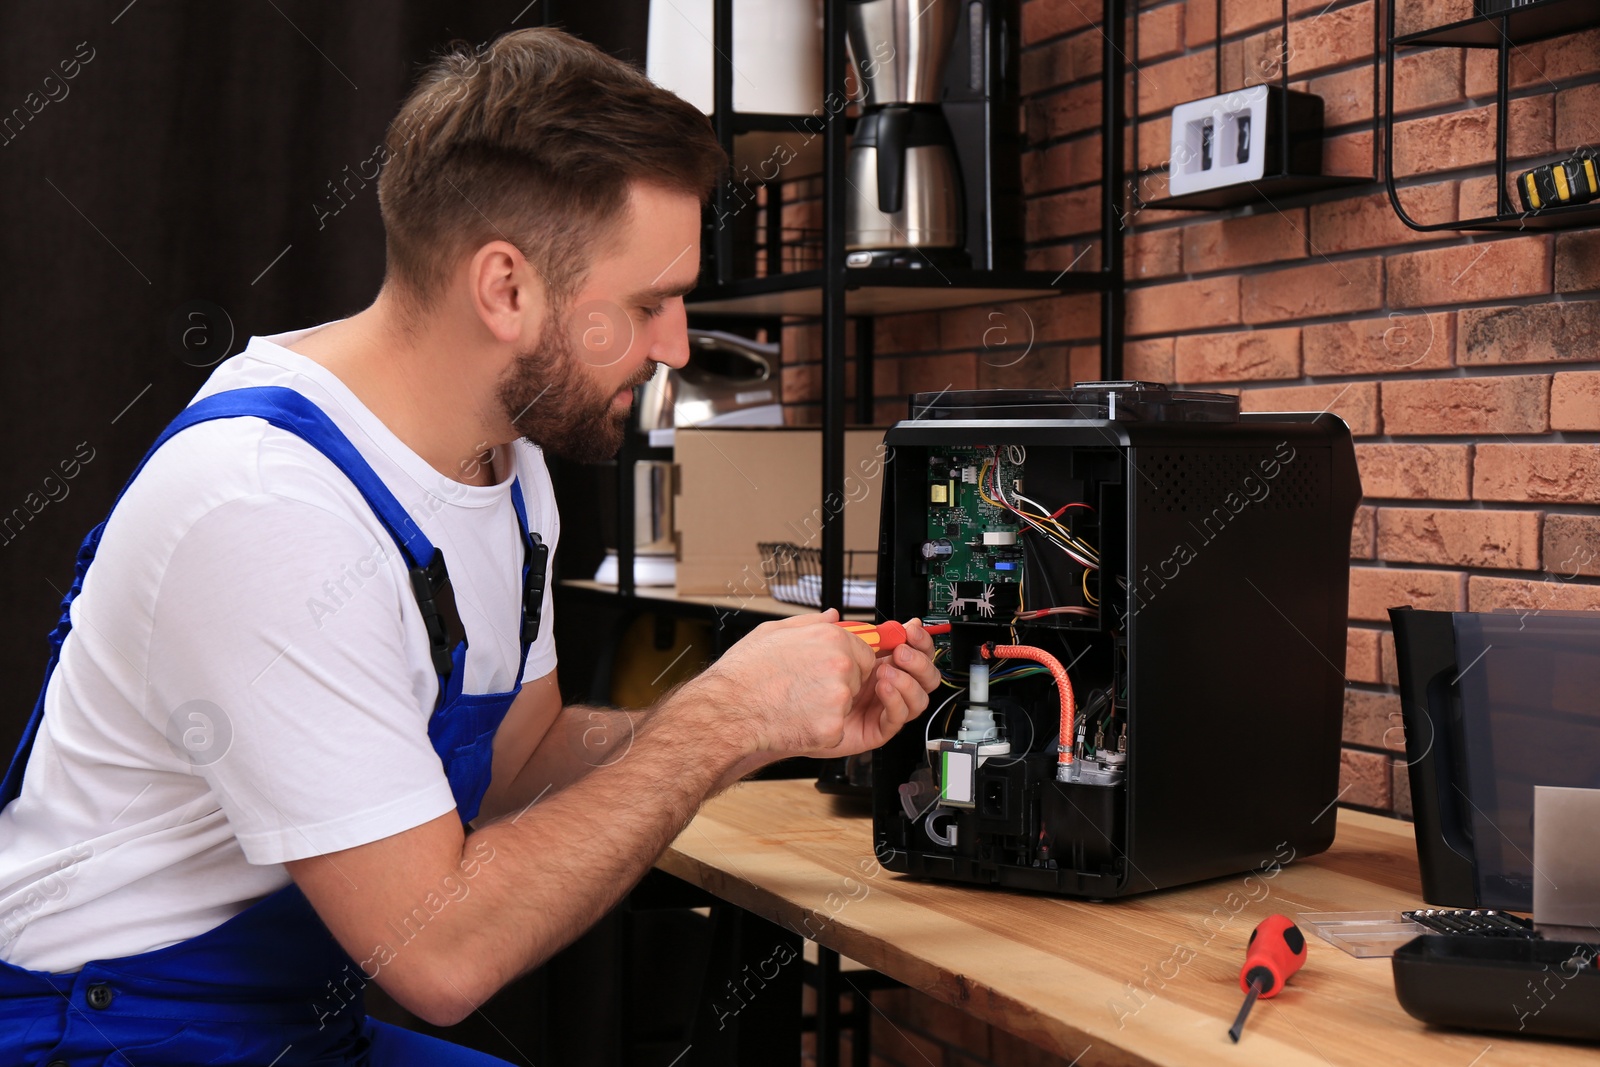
{"x":550,"y":399}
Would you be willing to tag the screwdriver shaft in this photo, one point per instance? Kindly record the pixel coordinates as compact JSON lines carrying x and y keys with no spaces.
{"x":1244,"y":1012}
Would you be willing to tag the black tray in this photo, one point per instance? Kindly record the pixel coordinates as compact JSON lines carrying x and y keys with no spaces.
{"x":1543,"y":988}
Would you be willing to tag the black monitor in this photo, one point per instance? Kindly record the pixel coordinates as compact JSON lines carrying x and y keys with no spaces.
{"x":1494,"y":704}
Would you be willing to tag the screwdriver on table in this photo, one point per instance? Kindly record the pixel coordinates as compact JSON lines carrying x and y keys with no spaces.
{"x":887,"y":636}
{"x":1276,"y":950}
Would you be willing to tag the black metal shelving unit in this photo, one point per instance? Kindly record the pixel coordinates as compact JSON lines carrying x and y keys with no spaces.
{"x":884,"y":292}
{"x":1518,"y":25}
{"x":835,"y":293}
{"x":1502,"y":31}
{"x":1284,"y":182}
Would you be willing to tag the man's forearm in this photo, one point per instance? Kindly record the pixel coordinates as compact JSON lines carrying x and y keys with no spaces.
{"x":562,"y":862}
{"x":580,"y":739}
{"x":586,"y":737}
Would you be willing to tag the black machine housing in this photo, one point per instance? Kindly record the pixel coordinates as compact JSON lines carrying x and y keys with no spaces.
{"x":1213,"y":667}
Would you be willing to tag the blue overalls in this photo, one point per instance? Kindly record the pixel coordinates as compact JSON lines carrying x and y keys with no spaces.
{"x":270,"y":986}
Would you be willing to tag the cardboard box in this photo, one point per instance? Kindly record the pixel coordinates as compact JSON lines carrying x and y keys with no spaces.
{"x":740,"y":487}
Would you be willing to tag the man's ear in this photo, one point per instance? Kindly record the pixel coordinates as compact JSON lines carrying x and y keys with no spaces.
{"x":507,"y":293}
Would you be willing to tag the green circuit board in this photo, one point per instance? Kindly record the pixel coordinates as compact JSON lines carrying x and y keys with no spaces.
{"x":971,"y":577}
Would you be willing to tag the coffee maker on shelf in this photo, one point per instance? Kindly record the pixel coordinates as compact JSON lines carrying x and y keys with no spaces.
{"x":934,"y":167}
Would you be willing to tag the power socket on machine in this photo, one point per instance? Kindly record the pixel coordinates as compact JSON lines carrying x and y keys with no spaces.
{"x":1229,"y":139}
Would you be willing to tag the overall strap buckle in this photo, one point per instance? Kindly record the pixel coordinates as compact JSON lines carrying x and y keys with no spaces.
{"x":428,"y":583}
{"x":533,"y":579}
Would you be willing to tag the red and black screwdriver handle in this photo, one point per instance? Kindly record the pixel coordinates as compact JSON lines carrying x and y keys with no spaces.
{"x":887,"y":636}
{"x":1276,"y":950}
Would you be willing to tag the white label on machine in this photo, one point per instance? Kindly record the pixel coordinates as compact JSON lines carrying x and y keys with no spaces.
{"x":959,"y":771}
{"x":1000,"y":537}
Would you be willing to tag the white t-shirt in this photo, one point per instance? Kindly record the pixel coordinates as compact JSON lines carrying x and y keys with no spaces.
{"x":248,"y":679}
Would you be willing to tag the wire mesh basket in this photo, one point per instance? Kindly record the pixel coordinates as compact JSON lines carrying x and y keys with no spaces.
{"x":794,"y":574}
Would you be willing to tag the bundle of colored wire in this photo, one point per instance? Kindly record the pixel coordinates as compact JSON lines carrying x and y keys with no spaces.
{"x":1071,"y":609}
{"x":952,"y":678}
{"x":1063,"y":686}
{"x":1040,"y":514}
{"x":1023,"y":614}
{"x":1041,"y":521}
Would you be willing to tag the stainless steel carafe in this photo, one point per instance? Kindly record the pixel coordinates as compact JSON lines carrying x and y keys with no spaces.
{"x":903,"y":182}
{"x":904,"y":191}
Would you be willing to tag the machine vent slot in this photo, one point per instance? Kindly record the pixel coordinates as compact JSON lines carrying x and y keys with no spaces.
{"x":1199,"y":481}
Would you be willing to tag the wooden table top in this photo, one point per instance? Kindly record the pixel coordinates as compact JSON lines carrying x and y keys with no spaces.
{"x":1151,"y":979}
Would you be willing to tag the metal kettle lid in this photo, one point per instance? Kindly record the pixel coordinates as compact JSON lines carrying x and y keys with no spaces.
{"x":727,"y":357}
{"x":725,"y":372}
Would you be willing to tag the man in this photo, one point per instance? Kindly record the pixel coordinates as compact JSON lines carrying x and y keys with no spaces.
{"x":243,"y":792}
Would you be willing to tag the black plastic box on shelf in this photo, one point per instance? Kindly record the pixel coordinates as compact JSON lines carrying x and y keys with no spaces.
{"x":1299,"y":117}
{"x":1187,"y":564}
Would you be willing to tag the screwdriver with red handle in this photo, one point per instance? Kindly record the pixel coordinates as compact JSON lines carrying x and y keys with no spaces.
{"x":1276,"y":950}
{"x":887,"y":636}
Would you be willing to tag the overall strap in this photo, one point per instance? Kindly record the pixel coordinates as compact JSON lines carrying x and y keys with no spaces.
{"x":535,"y":561}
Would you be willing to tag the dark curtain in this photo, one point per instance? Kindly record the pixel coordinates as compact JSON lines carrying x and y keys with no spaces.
{"x":175,"y":176}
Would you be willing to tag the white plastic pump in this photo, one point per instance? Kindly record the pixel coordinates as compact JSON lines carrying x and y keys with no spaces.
{"x":978,"y":683}
{"x":978,"y":724}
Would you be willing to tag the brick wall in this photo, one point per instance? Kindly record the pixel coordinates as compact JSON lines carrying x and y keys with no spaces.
{"x":1466,"y":364}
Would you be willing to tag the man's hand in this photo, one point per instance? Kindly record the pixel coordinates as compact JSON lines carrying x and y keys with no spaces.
{"x":896,"y":693}
{"x":804,"y":686}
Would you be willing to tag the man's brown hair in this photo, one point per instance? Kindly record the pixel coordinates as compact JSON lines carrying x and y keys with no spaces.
{"x":535,"y":139}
